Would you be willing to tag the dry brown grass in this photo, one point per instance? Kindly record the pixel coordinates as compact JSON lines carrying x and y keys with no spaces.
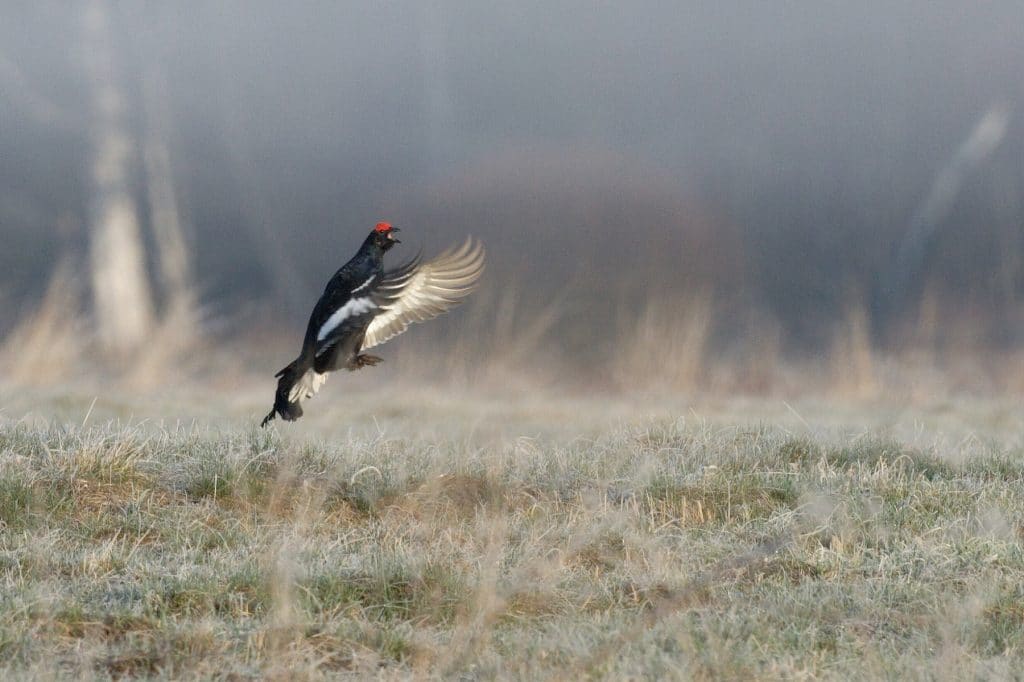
{"x":667,"y":345}
{"x":853,"y":359}
{"x":57,"y":342}
{"x":46,"y":345}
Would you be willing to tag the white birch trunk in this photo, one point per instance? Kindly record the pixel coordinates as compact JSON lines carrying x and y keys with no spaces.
{"x":122,"y":301}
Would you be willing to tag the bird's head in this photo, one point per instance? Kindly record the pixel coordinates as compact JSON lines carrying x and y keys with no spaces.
{"x":384,"y":235}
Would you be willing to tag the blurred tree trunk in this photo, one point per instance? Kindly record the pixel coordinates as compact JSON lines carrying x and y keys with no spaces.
{"x":905,"y":282}
{"x":165,"y":219}
{"x":122,"y":300}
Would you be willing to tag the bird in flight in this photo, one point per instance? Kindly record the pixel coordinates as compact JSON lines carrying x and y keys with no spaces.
{"x":363,"y":306}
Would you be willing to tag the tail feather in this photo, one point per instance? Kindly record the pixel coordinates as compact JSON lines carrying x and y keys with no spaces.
{"x":286,"y":403}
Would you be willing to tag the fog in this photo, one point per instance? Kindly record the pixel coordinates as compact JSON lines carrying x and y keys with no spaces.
{"x":774,"y":154}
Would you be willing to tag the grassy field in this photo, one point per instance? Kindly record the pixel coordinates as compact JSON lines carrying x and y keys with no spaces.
{"x":436,"y":533}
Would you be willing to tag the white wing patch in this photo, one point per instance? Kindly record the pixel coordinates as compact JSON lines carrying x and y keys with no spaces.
{"x":364,"y":284}
{"x":355,"y":306}
{"x":427,"y":291}
{"x":307,"y":386}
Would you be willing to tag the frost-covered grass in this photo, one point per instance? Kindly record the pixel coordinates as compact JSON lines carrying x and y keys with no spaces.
{"x":658,"y":547}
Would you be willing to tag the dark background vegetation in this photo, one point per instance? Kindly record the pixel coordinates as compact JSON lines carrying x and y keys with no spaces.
{"x":770,"y":155}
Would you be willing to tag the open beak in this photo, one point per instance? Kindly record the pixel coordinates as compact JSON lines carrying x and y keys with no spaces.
{"x":391,"y":235}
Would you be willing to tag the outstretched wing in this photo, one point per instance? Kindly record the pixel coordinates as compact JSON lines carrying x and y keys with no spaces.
{"x":422,"y":291}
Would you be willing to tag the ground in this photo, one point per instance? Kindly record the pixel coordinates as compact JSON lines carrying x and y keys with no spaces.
{"x":438,"y":532}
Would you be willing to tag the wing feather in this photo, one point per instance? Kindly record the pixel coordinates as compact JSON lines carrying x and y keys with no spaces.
{"x":425,"y":290}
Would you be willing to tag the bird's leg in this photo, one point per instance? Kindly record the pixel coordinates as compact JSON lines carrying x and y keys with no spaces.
{"x":367,"y":361}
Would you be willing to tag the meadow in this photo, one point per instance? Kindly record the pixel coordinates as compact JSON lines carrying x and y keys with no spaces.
{"x":436,"y":531}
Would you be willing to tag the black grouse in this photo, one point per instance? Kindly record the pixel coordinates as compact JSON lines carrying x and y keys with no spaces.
{"x":363,"y":306}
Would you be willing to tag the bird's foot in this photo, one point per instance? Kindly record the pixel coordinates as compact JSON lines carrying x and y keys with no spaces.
{"x":367,"y":360}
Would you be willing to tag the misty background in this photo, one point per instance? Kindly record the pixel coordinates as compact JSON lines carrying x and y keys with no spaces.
{"x":771,"y":170}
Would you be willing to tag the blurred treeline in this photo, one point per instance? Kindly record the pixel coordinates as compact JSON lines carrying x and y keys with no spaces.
{"x":775,"y":172}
